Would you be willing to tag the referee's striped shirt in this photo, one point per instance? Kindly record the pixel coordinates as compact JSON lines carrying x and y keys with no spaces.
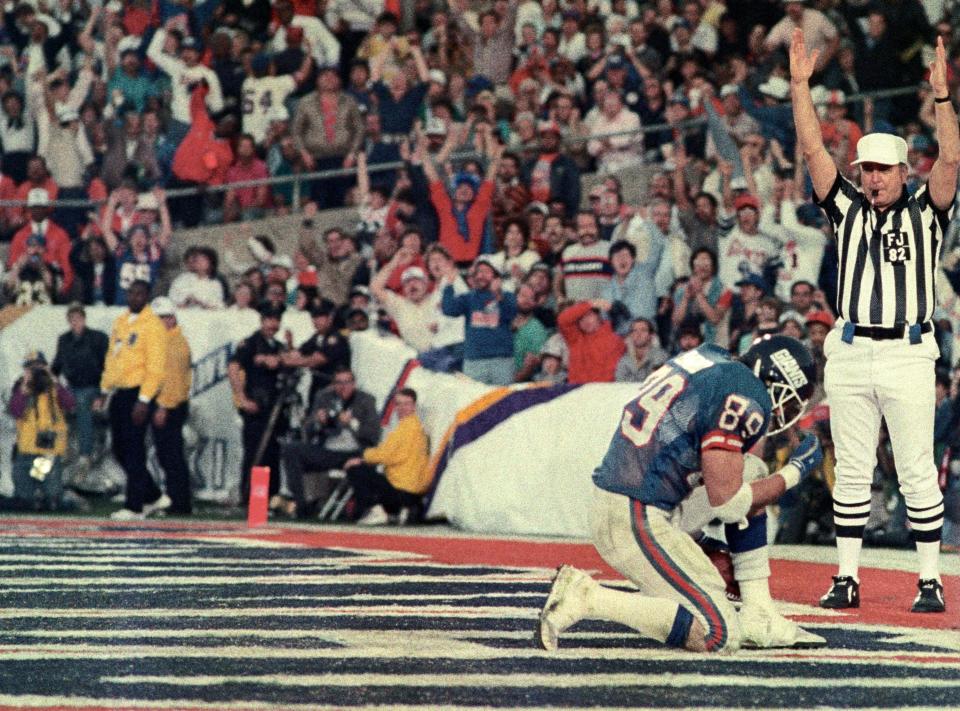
{"x":888,"y":259}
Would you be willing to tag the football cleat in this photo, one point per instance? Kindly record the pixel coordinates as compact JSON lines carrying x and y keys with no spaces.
{"x":767,"y":629}
{"x":843,"y":594}
{"x":930,"y":597}
{"x":566,"y":605}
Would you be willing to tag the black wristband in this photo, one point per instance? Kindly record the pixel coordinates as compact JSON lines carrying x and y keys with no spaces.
{"x":938,"y":100}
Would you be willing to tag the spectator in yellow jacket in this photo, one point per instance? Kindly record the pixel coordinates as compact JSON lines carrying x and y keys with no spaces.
{"x":173,"y":403}
{"x":404,"y":454}
{"x":132,"y":375}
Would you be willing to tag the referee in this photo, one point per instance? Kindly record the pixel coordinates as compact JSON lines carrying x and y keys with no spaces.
{"x":881,"y":353}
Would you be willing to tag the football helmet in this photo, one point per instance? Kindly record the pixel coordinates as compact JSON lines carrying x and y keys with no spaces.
{"x":787,"y":370}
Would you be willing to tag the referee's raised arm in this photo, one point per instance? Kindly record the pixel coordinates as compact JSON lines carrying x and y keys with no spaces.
{"x":942,"y":184}
{"x":823,"y":171}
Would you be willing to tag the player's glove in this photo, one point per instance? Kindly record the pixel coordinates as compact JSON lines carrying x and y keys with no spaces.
{"x":803,"y":460}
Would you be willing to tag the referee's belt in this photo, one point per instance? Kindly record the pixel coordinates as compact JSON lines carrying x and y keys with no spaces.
{"x":884,"y":333}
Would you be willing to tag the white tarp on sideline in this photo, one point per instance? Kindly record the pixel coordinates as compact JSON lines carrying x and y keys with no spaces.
{"x":521,"y":460}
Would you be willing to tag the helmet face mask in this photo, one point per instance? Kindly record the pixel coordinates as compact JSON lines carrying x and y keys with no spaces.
{"x":788,"y":372}
{"x":788,"y":407}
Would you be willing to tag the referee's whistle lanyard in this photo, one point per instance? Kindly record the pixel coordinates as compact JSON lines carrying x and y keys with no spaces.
{"x":914,"y":330}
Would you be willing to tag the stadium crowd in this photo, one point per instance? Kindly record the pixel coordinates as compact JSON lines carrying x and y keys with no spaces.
{"x":490,"y":150}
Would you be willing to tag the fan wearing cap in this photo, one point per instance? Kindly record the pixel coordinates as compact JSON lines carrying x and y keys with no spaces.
{"x":65,"y":146}
{"x":173,"y":402}
{"x":463,"y":216}
{"x":40,"y":405}
{"x":42,"y":232}
{"x":264,"y":92}
{"x":881,"y":353}
{"x":254,"y":371}
{"x":411,"y":310}
{"x":129,"y":87}
{"x":324,"y":351}
{"x":184,"y":71}
{"x":489,"y":312}
{"x":552,"y":176}
{"x":774,"y":115}
{"x":398,"y":103}
{"x":744,"y":244}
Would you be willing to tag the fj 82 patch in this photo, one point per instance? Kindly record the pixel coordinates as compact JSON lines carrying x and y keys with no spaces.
{"x":896,"y":247}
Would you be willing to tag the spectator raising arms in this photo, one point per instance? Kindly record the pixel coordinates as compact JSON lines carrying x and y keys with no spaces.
{"x":463,"y":218}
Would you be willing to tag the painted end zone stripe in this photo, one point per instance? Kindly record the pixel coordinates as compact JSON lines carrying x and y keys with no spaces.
{"x":482,"y":415}
{"x":661,"y":561}
{"x":399,"y":385}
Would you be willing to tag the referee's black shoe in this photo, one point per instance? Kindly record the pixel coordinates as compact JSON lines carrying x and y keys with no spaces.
{"x":930,"y":597}
{"x":844,"y":593}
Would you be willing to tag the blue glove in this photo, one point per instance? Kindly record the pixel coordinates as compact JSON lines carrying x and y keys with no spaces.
{"x":807,"y":456}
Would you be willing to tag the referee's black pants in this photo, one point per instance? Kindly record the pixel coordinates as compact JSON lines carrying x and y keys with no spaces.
{"x":169,"y":443}
{"x":130,"y":449}
{"x":254,"y":428}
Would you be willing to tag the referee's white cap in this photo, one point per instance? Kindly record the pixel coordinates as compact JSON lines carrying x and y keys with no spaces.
{"x":882,"y":148}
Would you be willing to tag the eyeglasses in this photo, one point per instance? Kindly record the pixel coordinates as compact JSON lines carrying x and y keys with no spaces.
{"x":343,"y":382}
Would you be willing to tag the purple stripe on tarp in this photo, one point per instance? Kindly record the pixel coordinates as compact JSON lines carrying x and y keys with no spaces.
{"x":500,"y":411}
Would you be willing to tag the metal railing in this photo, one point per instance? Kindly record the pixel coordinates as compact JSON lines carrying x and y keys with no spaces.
{"x":299,"y":179}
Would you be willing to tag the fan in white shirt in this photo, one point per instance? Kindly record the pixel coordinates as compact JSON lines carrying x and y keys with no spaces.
{"x":264,"y":94}
{"x":320,"y":42}
{"x":198,"y":286}
{"x":184,"y":72}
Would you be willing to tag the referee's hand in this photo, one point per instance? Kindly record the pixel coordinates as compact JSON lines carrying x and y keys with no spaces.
{"x":938,"y":71}
{"x":802,"y":65}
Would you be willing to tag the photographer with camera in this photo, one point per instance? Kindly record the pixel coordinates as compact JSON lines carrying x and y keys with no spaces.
{"x":39,"y":255}
{"x":343,"y":422}
{"x":40,"y":405}
{"x":261,"y":383}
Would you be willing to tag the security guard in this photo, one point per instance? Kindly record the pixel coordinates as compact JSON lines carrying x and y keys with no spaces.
{"x":173,"y":407}
{"x":133,"y":373}
{"x":255,"y":372}
{"x":324,"y":352}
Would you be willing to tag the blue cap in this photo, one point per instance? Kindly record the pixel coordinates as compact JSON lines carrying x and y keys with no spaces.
{"x":469,"y":178}
{"x":616,"y":61}
{"x":810,"y":214}
{"x":754,"y":280}
{"x":679,"y":97}
{"x":260,"y":63}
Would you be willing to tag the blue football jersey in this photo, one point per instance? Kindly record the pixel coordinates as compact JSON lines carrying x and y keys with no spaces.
{"x":698,"y":400}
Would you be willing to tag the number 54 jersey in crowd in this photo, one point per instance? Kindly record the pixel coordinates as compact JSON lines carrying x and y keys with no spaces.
{"x":699,"y":400}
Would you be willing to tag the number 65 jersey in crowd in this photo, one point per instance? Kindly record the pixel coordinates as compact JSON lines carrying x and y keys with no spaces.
{"x":699,"y":400}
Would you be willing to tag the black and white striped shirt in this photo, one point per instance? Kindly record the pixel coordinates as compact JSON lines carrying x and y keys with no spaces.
{"x":888,"y":259}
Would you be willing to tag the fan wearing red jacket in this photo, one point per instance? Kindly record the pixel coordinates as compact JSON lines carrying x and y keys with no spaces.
{"x":594,"y":348}
{"x":462,"y":219}
{"x":57,"y":251}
